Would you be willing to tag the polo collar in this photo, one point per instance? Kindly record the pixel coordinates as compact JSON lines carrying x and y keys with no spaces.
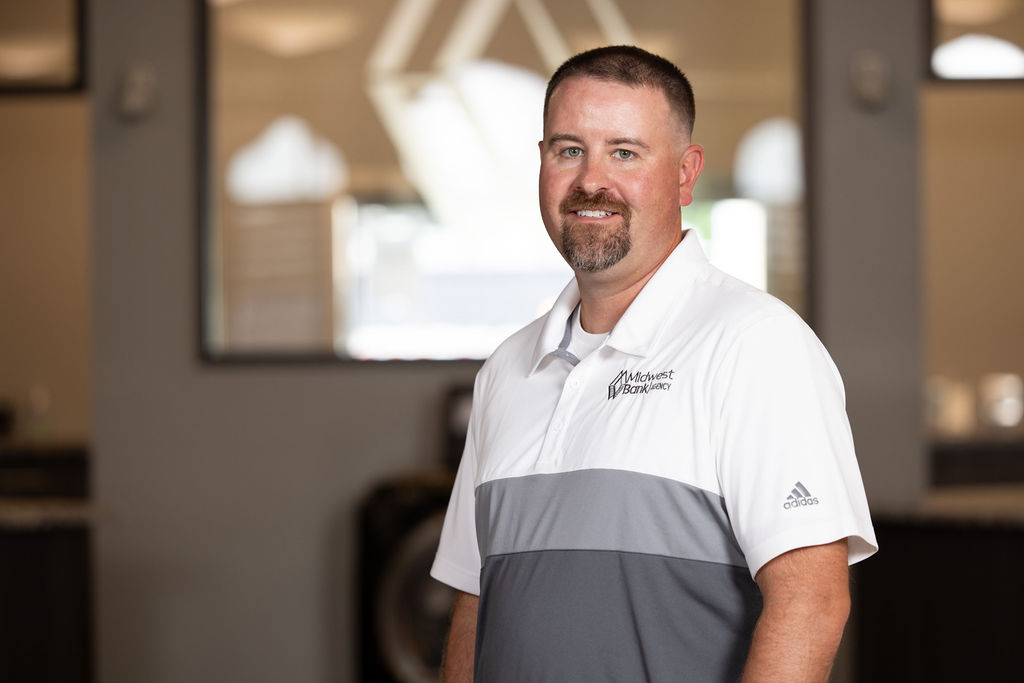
{"x":638,"y":327}
{"x":555,"y":325}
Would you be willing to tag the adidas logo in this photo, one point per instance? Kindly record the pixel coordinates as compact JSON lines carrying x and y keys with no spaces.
{"x":799,"y":497}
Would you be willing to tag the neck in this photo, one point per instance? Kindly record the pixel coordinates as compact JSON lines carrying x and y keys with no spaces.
{"x":599,"y":312}
{"x":603,"y":300}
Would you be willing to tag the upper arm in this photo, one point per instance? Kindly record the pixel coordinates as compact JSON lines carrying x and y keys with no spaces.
{"x":815,"y":575}
{"x":806,"y":604}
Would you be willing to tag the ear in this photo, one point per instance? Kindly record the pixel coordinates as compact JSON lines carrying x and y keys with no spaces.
{"x":690,"y":166}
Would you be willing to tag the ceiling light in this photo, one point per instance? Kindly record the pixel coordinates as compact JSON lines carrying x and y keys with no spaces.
{"x":291,"y":31}
{"x":35,"y":58}
{"x":978,"y":56}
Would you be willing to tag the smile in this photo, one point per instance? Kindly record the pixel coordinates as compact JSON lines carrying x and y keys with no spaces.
{"x":593,"y":214}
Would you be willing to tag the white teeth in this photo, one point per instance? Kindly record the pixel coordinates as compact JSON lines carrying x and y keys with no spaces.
{"x":593,"y":214}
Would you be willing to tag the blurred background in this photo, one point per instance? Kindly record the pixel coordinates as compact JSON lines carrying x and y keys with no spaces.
{"x":252,"y":253}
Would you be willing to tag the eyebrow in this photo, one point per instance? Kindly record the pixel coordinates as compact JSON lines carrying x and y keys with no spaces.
{"x":628,"y":141}
{"x":565,"y":137}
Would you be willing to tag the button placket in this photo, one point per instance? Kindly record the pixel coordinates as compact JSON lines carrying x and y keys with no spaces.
{"x":553,"y":448}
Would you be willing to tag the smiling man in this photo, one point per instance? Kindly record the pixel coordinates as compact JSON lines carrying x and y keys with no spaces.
{"x":659,"y":481}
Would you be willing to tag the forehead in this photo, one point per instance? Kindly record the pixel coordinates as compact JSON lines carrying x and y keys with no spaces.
{"x":580,"y":104}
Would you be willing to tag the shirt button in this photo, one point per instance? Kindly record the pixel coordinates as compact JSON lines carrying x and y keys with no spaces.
{"x":574,"y":383}
{"x":557,"y":425}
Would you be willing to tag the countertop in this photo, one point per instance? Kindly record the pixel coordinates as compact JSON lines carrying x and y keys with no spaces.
{"x":21,"y":514}
{"x":968,"y":504}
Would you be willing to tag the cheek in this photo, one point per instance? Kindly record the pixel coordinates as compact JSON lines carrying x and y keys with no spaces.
{"x":636,"y":192}
{"x":550,"y":198}
{"x":659,"y":191}
{"x":550,"y":189}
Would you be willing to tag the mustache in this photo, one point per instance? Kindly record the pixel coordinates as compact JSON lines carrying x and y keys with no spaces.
{"x":578,"y":200}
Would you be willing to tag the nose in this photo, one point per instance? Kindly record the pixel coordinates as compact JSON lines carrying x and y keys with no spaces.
{"x":593,"y":176}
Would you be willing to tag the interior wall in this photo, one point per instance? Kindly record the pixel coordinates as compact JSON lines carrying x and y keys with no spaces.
{"x":45,"y":264}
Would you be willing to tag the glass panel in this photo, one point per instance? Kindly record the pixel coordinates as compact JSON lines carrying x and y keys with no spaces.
{"x":373,"y":165}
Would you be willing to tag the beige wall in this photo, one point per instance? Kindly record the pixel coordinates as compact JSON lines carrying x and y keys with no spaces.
{"x":973,"y":167}
{"x":45,"y":261}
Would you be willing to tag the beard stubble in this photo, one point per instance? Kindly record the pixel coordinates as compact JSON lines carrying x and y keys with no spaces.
{"x":592,"y":248}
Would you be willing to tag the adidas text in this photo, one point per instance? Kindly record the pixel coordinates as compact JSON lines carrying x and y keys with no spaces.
{"x":799,"y":497}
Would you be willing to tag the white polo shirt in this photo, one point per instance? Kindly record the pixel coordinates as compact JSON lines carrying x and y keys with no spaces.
{"x":611,"y":512}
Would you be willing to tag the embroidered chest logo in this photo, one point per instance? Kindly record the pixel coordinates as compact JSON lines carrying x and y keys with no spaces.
{"x":640,"y":382}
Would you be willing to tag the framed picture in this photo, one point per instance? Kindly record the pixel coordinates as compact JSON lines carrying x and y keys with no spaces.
{"x":42,"y":46}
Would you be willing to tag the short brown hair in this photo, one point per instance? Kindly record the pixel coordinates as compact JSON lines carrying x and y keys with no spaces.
{"x":632,"y":66}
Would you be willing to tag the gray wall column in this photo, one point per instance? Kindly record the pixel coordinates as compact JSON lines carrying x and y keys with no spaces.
{"x":866,"y":297}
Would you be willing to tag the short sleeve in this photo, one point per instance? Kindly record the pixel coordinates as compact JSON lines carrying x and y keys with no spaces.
{"x":784,"y":450}
{"x":457,"y":562}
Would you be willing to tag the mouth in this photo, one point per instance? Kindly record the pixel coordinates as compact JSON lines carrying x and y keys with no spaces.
{"x":591,"y":213}
{"x":596,"y":207}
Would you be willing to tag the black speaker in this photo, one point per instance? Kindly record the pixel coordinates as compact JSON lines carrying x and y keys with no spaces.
{"x":403,"y":612}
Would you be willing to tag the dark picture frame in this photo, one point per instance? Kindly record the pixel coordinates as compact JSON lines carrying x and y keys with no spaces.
{"x":67,"y":75}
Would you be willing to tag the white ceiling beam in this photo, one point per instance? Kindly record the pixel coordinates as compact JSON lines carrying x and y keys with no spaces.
{"x":612,"y":22}
{"x":400,"y":36}
{"x":550,"y":43}
{"x":474,"y":27}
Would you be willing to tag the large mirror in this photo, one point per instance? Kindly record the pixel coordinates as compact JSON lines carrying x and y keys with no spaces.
{"x":370,"y":166}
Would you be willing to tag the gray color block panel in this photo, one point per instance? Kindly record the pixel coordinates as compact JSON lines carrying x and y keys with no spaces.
{"x":593,"y":616}
{"x":604,"y":509}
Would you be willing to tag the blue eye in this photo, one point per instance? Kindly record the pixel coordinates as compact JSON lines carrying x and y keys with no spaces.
{"x":623,"y":154}
{"x":572,"y":152}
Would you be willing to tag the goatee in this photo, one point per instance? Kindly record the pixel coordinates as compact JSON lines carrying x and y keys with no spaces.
{"x":588,"y":247}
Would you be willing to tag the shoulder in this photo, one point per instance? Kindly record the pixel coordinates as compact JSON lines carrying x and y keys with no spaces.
{"x":731,"y":310}
{"x":738,"y":303}
{"x":747,"y":326}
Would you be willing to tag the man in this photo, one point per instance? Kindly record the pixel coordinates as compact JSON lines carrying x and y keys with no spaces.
{"x":659,"y":481}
